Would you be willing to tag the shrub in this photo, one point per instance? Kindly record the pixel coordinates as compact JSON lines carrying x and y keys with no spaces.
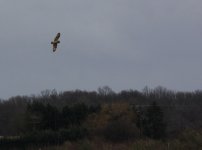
{"x":119,"y":130}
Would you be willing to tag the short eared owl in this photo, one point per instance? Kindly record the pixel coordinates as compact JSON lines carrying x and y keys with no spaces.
{"x":55,"y":42}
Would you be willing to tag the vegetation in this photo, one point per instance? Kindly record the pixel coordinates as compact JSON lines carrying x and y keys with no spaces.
{"x":151,"y":119}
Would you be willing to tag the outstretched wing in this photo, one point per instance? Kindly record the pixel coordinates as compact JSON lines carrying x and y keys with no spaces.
{"x":54,"y":47}
{"x":57,"y":37}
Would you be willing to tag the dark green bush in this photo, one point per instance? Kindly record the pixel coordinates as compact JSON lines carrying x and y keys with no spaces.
{"x":119,"y":130}
{"x":44,"y":138}
{"x":73,"y":133}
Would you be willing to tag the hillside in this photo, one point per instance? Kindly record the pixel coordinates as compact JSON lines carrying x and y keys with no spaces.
{"x":53,"y":118}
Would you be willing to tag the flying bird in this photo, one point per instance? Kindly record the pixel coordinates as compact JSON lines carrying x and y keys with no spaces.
{"x":55,"y":42}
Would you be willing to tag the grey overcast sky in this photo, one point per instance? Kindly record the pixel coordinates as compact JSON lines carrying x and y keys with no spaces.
{"x":125,"y":44}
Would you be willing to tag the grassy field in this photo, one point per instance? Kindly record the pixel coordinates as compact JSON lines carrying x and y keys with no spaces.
{"x":187,"y":141}
{"x":138,"y":145}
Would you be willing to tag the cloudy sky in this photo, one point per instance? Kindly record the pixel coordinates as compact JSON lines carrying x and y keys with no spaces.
{"x":125,"y":44}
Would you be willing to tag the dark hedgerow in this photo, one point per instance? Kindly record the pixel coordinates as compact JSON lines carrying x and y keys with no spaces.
{"x":44,"y":138}
{"x":119,"y":130}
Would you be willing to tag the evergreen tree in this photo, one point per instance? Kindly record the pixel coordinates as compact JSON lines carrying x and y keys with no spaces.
{"x":51,"y":118}
{"x":153,"y":123}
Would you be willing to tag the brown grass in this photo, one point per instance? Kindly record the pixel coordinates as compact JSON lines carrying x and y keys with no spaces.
{"x":187,"y":140}
{"x":131,"y":145}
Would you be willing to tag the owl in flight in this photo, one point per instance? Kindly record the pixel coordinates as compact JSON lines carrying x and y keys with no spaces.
{"x":55,"y":42}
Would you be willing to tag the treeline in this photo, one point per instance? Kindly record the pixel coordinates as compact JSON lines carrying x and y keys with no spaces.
{"x":48,"y":117}
{"x":130,"y":114}
{"x":116,"y":122}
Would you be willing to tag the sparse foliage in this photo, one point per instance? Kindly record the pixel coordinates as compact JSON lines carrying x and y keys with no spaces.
{"x":112,"y":116}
